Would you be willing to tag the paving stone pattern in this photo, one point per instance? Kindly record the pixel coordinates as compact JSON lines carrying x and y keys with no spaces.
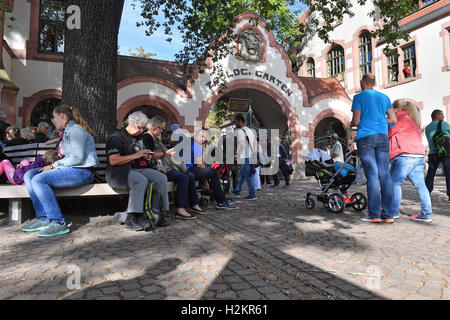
{"x":273,"y":248}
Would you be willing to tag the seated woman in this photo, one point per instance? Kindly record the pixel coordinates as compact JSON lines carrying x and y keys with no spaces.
{"x":186,"y":195}
{"x":75,"y":169}
{"x":15,"y":175}
{"x":13,"y":137}
{"x":407,"y":155}
{"x":41,"y":132}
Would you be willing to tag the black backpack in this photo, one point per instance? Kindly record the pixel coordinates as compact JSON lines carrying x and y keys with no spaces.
{"x":152,"y":204}
{"x":441,"y":141}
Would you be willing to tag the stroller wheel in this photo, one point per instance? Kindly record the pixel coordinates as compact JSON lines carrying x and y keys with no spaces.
{"x":359,"y":201}
{"x":309,"y":203}
{"x":336,"y":203}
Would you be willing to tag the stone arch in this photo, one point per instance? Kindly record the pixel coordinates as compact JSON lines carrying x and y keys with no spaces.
{"x":30,"y":102}
{"x":148,"y":99}
{"x":287,"y":109}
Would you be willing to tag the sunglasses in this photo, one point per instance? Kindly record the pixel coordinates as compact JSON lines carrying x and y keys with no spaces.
{"x":141,"y":128}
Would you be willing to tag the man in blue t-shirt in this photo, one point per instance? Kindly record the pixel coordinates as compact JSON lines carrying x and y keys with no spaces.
{"x":370,"y":108}
{"x":205,"y":175}
{"x":433,"y":158}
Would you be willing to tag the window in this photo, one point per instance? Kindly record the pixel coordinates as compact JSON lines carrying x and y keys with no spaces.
{"x":365,"y":54}
{"x":335,"y":62}
{"x":409,"y":61}
{"x":51,"y":26}
{"x":310,"y":68}
{"x":392,"y":65}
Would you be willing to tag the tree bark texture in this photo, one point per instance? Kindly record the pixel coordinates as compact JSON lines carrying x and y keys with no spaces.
{"x":90,"y":64}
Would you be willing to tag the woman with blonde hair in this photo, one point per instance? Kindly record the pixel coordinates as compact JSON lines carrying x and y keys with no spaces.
{"x":76,"y":168}
{"x":41,"y":132}
{"x":407,"y":154}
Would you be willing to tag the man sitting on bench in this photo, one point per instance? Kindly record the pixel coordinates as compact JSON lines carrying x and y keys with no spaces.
{"x":205,"y":175}
{"x":127,"y":169}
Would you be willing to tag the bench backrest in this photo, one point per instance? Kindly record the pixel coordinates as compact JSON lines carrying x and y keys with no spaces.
{"x":16,"y":154}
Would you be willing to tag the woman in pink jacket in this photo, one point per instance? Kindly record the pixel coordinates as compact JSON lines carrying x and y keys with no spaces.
{"x":407,"y":155}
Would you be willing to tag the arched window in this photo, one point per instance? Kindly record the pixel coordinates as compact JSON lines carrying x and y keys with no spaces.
{"x":311,"y":68}
{"x":365,"y":54}
{"x":51,"y":26}
{"x":335,"y":61}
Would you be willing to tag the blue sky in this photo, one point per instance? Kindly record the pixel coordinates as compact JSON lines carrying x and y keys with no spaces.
{"x":132,"y":37}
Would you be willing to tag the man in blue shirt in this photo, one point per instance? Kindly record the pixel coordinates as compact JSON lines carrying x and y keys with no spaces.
{"x":433,"y":158}
{"x":206,"y":175}
{"x":370,"y":108}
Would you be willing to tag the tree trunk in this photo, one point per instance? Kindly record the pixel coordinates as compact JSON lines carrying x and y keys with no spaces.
{"x":90,"y":64}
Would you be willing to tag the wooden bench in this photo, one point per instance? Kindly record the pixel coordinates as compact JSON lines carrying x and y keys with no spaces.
{"x":20,"y":207}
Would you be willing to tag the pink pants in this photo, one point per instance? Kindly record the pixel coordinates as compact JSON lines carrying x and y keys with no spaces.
{"x":7,"y":168}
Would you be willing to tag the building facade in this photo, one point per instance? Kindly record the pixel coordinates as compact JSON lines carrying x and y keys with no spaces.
{"x":417,"y":70}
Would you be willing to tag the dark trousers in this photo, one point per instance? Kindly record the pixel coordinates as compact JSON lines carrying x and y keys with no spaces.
{"x":265,"y":178}
{"x":433,"y":163}
{"x":284,"y":171}
{"x":206,"y":173}
{"x":186,"y":194}
{"x":234,"y":168}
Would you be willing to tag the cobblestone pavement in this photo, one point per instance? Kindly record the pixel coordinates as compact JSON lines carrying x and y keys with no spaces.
{"x":273,"y":248}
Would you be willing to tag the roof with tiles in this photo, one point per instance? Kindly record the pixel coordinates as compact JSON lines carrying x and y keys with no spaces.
{"x":316,"y":87}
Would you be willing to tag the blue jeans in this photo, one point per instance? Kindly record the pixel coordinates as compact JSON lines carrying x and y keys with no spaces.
{"x":433,"y":164}
{"x":411,"y":167}
{"x":373,"y":151}
{"x":40,"y":185}
{"x":186,"y":194}
{"x":245,"y":175}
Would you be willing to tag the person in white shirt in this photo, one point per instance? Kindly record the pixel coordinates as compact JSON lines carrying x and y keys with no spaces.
{"x":247,"y":145}
{"x":336,"y":153}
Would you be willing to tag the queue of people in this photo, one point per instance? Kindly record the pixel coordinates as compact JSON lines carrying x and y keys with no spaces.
{"x":386,"y":133}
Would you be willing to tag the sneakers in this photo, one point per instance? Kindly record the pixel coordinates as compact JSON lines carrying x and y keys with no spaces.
{"x":422,"y":217}
{"x":132,"y":222}
{"x":236,"y":193}
{"x":396,"y":216}
{"x":226,"y":205}
{"x":35,"y":225}
{"x":163,"y":220}
{"x":366,"y":218}
{"x":54,"y":229}
{"x":249,"y":198}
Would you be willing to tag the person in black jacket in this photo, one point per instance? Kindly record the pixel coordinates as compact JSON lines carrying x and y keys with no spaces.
{"x":41,"y":132}
{"x":3,"y":125}
{"x":283,"y":157}
{"x":13,"y":137}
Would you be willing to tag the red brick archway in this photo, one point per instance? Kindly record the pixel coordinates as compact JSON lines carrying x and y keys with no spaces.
{"x":30,"y":102}
{"x":333,"y":113}
{"x":288,"y":110}
{"x":150,"y":100}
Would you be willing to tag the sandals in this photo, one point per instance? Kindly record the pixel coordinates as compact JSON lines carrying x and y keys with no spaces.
{"x":197,"y":211}
{"x":181,"y":216}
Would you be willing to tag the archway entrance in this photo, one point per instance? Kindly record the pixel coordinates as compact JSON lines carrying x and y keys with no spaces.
{"x":43,"y":111}
{"x":270,"y":107}
{"x":324,"y":130}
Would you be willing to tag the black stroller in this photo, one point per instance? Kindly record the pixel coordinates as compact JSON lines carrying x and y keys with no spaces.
{"x":334,"y":180}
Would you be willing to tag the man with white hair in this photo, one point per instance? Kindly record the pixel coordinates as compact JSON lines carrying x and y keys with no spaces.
{"x":336,"y":152}
{"x":127,"y":168}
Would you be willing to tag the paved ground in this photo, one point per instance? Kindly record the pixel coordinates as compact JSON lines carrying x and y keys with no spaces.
{"x":273,"y":248}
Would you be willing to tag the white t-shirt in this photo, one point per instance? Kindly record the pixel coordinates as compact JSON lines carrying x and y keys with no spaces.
{"x":247,"y":151}
{"x":337,"y":149}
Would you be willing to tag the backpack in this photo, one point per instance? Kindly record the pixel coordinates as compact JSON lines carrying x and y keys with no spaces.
{"x":441,"y":142}
{"x":152,"y":204}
